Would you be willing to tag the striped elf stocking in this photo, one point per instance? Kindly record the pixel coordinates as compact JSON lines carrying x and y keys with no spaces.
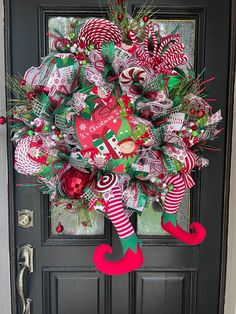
{"x":133,"y":257}
{"x":172,"y":202}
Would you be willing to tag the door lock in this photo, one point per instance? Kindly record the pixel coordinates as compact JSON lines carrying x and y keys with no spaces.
{"x":25,"y":218}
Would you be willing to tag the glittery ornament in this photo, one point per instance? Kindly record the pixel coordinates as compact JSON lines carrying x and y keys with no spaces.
{"x":2,"y":120}
{"x":73,"y":182}
{"x":59,"y":228}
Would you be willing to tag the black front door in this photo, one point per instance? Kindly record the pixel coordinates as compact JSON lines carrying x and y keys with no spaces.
{"x":175,"y":278}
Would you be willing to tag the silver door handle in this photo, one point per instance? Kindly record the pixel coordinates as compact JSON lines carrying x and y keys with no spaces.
{"x":25,"y":258}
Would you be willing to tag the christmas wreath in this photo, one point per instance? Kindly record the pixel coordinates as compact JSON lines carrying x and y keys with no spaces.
{"x":113,"y":116}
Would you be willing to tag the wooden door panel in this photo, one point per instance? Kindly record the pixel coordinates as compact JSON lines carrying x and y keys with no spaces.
{"x":165,"y":292}
{"x":72,"y":289}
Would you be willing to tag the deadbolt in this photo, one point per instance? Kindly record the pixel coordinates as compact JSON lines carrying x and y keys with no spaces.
{"x":25,"y":218}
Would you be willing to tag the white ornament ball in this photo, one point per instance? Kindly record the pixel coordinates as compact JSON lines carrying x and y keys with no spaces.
{"x":72,"y":49}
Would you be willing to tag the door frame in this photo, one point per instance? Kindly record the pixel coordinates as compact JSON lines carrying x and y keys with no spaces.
{"x":7,"y":238}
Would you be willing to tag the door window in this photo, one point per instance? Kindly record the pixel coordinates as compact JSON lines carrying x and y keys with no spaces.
{"x":77,"y":221}
{"x":71,"y":218}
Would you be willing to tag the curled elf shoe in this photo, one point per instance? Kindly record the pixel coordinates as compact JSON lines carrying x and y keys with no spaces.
{"x":132,"y":259}
{"x":169,"y":224}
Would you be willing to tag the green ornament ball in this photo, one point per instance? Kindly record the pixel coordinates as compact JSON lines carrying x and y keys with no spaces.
{"x":30,"y":133}
{"x":195,"y":133}
{"x":72,"y":35}
{"x":45,"y":128}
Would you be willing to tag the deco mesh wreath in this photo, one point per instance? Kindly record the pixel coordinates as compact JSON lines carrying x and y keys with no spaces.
{"x":114,"y":115}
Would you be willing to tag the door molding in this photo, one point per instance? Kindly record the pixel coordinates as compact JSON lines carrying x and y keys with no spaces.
{"x":5,"y":296}
{"x":227,"y":302}
{"x":9,"y":238}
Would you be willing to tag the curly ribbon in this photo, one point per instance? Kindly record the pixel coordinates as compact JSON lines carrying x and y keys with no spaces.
{"x":165,"y":57}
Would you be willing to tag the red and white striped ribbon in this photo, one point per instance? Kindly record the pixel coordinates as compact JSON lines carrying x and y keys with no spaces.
{"x":115,"y":212}
{"x":165,"y":41}
{"x":174,"y":49}
{"x":150,"y":30}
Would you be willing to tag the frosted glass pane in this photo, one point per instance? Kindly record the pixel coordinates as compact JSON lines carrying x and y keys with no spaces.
{"x":72,"y":222}
{"x":150,"y":221}
{"x":76,"y":222}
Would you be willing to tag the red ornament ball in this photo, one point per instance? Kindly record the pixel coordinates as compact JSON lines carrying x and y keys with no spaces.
{"x":201,"y":113}
{"x":2,"y":120}
{"x":145,"y":18}
{"x":80,"y":57}
{"x":22,"y":82}
{"x":68,"y":206}
{"x":192,"y":111}
{"x":120,"y":17}
{"x":194,"y":127}
{"x":31,"y":95}
{"x":59,"y":228}
{"x":74,"y":181}
{"x":72,"y":25}
{"x":186,"y":140}
{"x":130,"y":34}
{"x":57,"y":132}
{"x":84,"y":223}
{"x":38,"y":129}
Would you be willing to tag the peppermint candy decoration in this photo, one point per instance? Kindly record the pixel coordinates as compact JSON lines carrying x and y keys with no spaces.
{"x":128,"y":76}
{"x":106,"y":183}
{"x":23,"y":163}
{"x":99,"y":31}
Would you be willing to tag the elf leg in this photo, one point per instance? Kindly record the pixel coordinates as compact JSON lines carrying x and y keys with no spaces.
{"x":169,"y":218}
{"x":133,"y":257}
